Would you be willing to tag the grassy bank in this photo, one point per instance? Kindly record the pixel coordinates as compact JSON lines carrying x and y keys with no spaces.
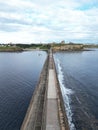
{"x":10,"y":49}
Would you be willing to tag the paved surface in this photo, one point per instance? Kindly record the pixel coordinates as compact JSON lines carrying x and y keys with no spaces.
{"x":51,"y":85}
{"x":52,"y":120}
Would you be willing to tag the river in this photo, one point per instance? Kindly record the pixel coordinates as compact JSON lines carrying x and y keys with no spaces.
{"x":19,"y":74}
{"x":78,"y":78}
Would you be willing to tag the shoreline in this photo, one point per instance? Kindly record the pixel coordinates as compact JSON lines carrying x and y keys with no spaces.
{"x":10,"y":49}
{"x":31,"y":49}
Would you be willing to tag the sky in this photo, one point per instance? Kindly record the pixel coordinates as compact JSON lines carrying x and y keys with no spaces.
{"x":46,"y":21}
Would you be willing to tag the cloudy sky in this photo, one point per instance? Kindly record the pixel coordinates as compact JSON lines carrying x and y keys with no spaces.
{"x":33,"y":21}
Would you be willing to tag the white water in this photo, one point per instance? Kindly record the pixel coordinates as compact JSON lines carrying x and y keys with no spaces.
{"x":66,"y":95}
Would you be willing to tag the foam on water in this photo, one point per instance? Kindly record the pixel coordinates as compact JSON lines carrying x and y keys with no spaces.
{"x":66,"y":95}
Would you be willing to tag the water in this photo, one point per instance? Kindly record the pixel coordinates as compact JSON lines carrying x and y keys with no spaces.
{"x":19,"y":73}
{"x":78,"y":77}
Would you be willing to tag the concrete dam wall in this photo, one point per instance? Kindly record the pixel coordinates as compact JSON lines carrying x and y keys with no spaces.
{"x":46,"y":109}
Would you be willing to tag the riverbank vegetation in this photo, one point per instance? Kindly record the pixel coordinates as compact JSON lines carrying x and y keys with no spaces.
{"x":91,"y":45}
{"x":10,"y":49}
{"x":34,"y":46}
{"x":62,"y":46}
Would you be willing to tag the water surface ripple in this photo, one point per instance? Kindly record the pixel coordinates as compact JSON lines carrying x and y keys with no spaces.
{"x":19,"y":73}
{"x":80,"y":75}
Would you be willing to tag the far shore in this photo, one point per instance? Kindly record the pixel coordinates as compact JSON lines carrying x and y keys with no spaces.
{"x":10,"y":49}
{"x":45,"y":47}
{"x":31,"y":49}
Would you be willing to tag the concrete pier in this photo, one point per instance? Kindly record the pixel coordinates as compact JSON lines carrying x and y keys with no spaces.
{"x":46,"y":110}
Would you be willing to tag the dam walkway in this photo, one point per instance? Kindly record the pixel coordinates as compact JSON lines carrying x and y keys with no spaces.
{"x":52,"y":119}
{"x":46,"y":110}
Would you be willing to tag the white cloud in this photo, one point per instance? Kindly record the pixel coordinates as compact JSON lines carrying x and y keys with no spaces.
{"x":47,"y":20}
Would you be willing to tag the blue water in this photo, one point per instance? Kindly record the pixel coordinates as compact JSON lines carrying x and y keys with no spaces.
{"x":78,"y":77}
{"x":19,"y":74}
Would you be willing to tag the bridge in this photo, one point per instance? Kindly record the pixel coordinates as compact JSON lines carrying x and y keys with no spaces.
{"x":46,"y":110}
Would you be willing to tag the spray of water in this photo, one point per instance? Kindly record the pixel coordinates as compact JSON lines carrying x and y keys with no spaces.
{"x":66,"y":95}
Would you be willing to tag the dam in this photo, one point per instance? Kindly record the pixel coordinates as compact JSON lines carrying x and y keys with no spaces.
{"x":46,"y":110}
